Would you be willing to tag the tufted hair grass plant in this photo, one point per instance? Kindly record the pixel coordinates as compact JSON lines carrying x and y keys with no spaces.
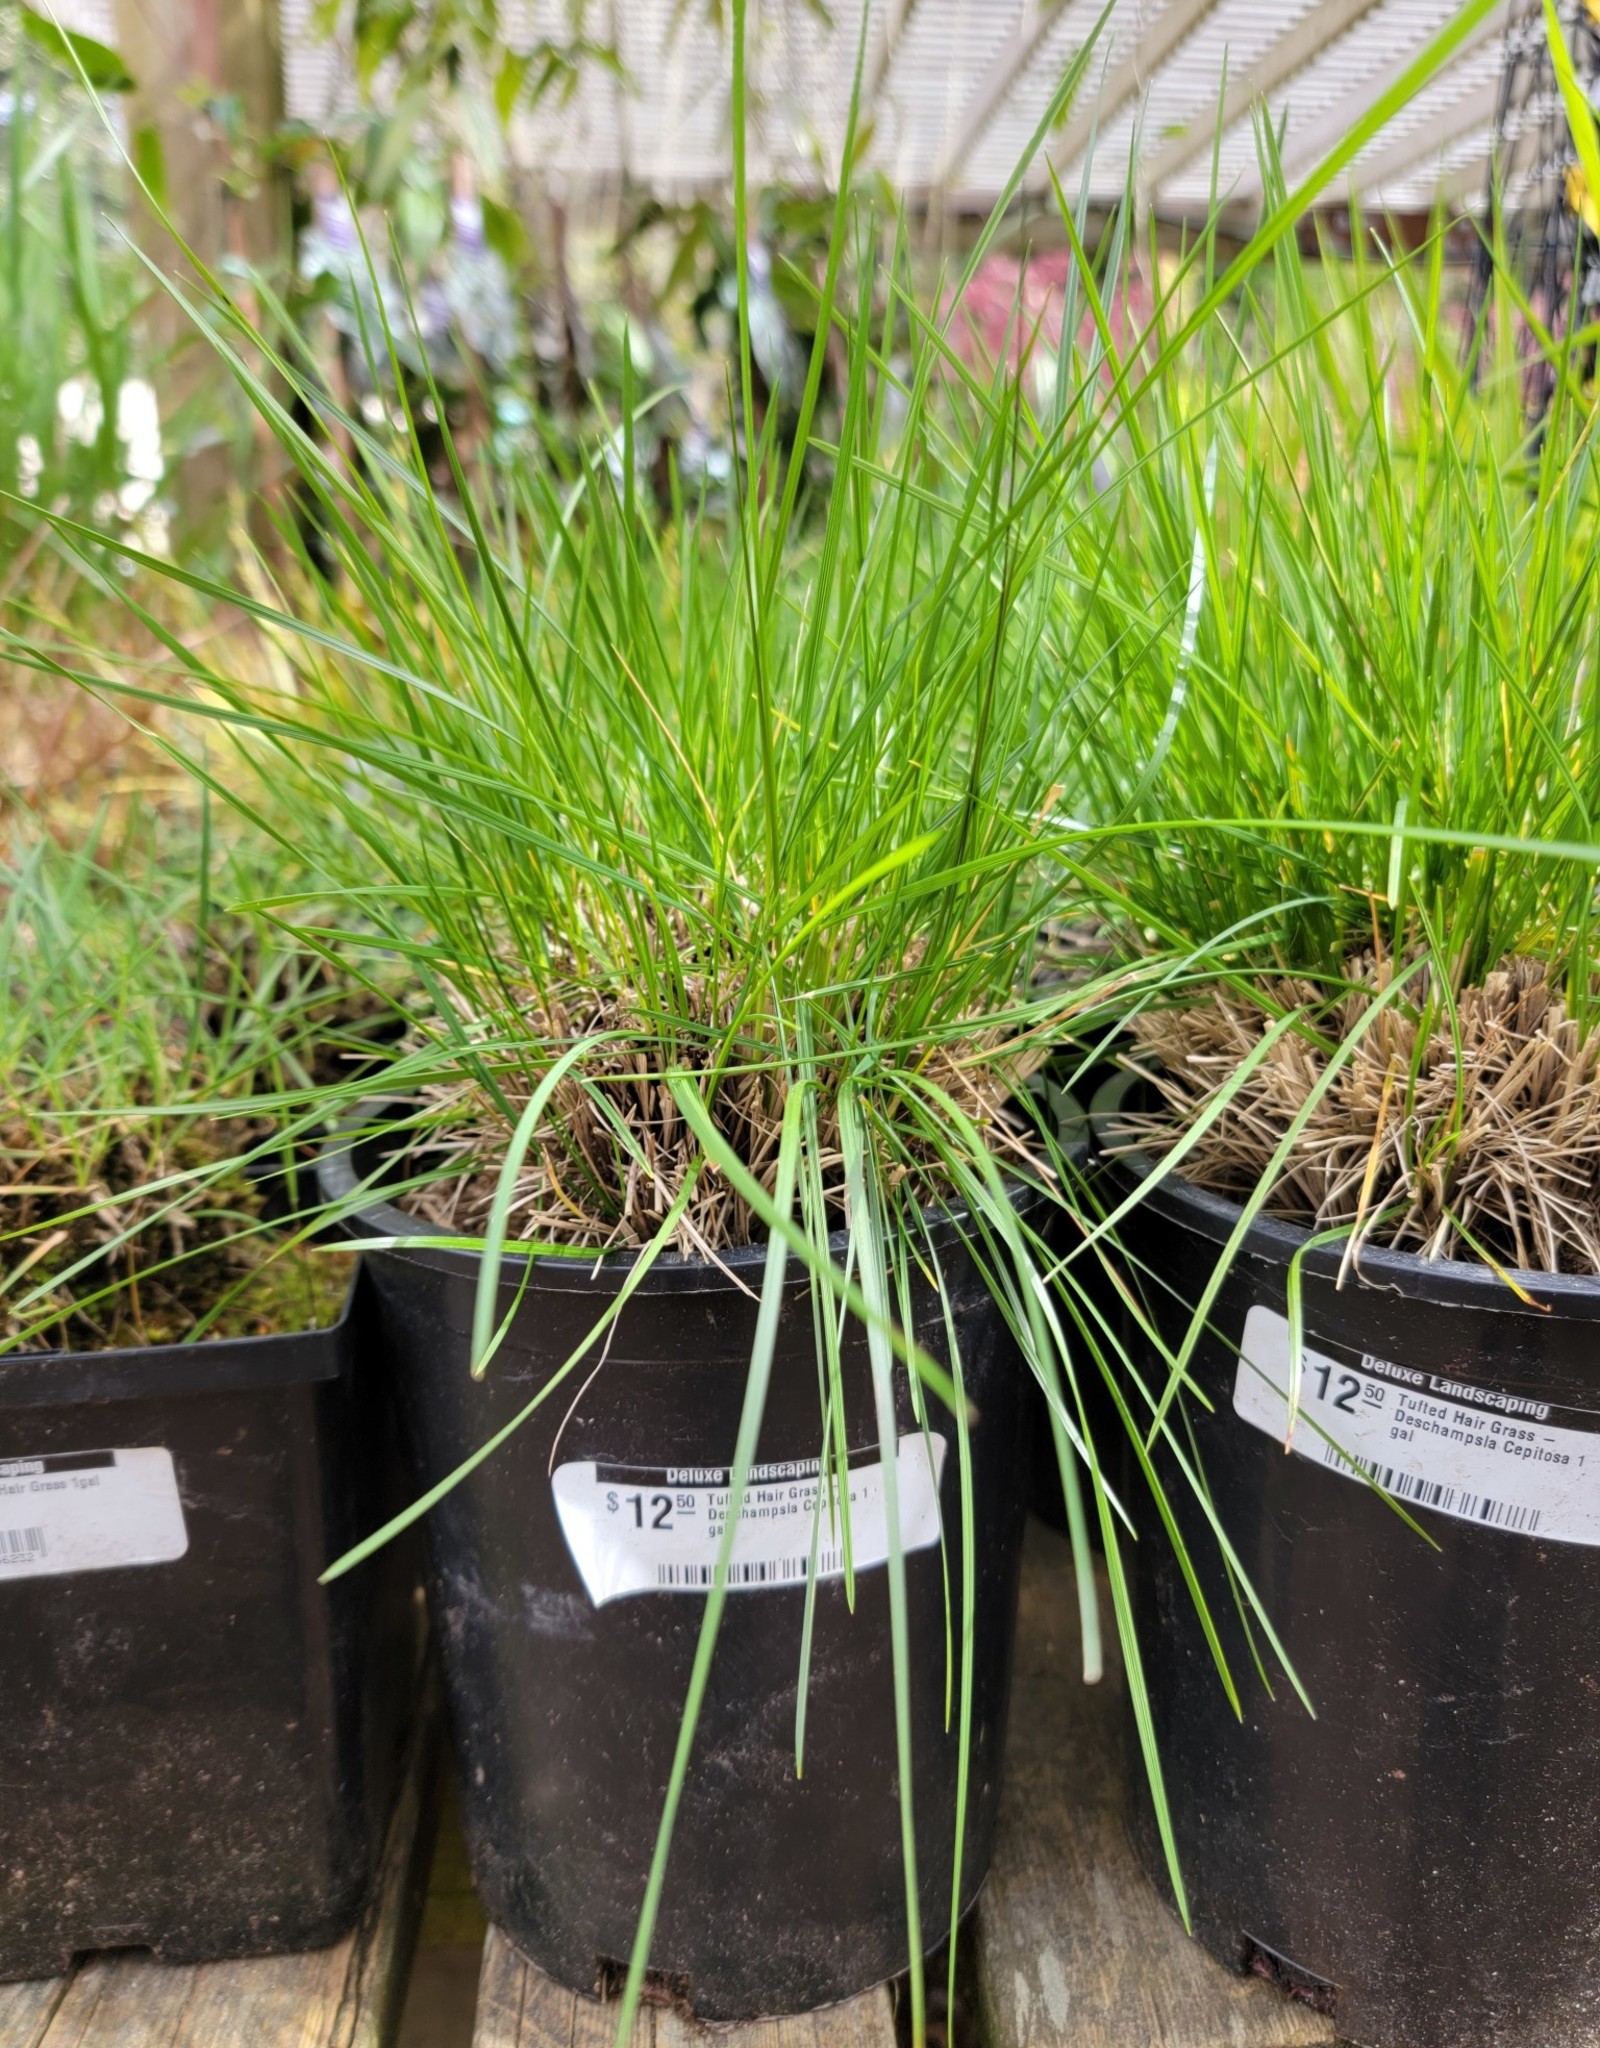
{"x":717,"y":852}
{"x":1348,"y":622}
{"x":151,"y":1053}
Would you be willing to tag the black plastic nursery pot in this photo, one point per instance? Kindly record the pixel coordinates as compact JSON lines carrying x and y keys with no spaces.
{"x":567,"y":1581}
{"x":1044,"y":1485}
{"x":1422,"y":1859}
{"x":197,"y":1742}
{"x":1063,"y":1235}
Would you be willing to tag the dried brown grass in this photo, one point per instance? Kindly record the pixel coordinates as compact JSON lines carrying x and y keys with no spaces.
{"x":70,"y":756}
{"x":1494,"y":1155}
{"x":582,"y":1187}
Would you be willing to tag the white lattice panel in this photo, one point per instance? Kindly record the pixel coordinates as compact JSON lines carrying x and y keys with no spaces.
{"x":965,"y":82}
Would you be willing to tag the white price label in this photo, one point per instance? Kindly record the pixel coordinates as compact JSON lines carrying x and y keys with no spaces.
{"x":658,"y":1529}
{"x":88,"y":1511}
{"x":1478,"y":1453}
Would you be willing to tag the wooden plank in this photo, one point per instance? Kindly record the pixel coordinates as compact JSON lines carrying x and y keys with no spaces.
{"x":135,"y":2002}
{"x":865,"y":2022}
{"x":1074,"y":1944}
{"x":128,"y":2000}
{"x":519,"y":2007}
{"x":592,"y":2025}
{"x":385,"y":1940}
{"x":502,"y":1998}
{"x":26,"y":2010}
{"x":346,"y":1996}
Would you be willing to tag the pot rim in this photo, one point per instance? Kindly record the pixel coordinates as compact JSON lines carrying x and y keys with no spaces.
{"x":600,"y":1272}
{"x":158,"y":1372}
{"x":1450,"y":1283}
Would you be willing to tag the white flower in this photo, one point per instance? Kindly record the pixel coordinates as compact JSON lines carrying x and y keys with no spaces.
{"x":138,"y":415}
{"x":152,"y":530}
{"x":139,"y":429}
{"x":80,"y":410}
{"x":134,"y":496}
{"x":30,"y":465}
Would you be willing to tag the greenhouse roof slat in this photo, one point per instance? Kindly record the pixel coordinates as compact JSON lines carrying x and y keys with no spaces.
{"x":1327,"y":99}
{"x":1473,"y":112}
{"x":1289,"y":54}
{"x":1182,"y":98}
{"x":1159,"y":41}
{"x":884,"y":45}
{"x":1034,"y":24}
{"x":953,"y":89}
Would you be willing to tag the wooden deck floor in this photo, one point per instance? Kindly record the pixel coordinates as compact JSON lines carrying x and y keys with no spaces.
{"x":1075,"y":1947}
{"x":1072,"y":1945}
{"x":347,"y":1996}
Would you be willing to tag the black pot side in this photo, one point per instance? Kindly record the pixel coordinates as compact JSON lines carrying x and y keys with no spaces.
{"x":566,"y":1684}
{"x":198,"y":1744}
{"x":1045,"y":1496}
{"x":1423,"y":1858}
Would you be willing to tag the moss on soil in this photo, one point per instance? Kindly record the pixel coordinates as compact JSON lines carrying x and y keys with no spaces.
{"x":164,"y":1283}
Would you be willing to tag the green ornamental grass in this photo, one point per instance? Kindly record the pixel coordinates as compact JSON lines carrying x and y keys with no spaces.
{"x":149,"y":1048}
{"x":69,"y":295}
{"x":1345,"y":598}
{"x":716,"y":850}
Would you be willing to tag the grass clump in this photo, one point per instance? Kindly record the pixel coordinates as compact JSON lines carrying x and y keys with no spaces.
{"x":146,"y":1056}
{"x":1348,"y":623}
{"x":716,"y":850}
{"x":1508,"y":1098}
{"x":740,"y":806}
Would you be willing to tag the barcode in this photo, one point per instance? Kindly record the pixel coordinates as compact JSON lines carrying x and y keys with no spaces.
{"x":20,"y":1546}
{"x":770,"y":1571}
{"x":1451,"y":1500}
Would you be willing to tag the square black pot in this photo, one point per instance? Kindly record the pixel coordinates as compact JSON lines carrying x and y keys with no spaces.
{"x":198,"y":1743}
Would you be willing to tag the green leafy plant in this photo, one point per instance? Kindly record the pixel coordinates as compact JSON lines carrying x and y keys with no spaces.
{"x":463,"y":46}
{"x":453,"y":72}
{"x":99,"y":66}
{"x":79,"y":429}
